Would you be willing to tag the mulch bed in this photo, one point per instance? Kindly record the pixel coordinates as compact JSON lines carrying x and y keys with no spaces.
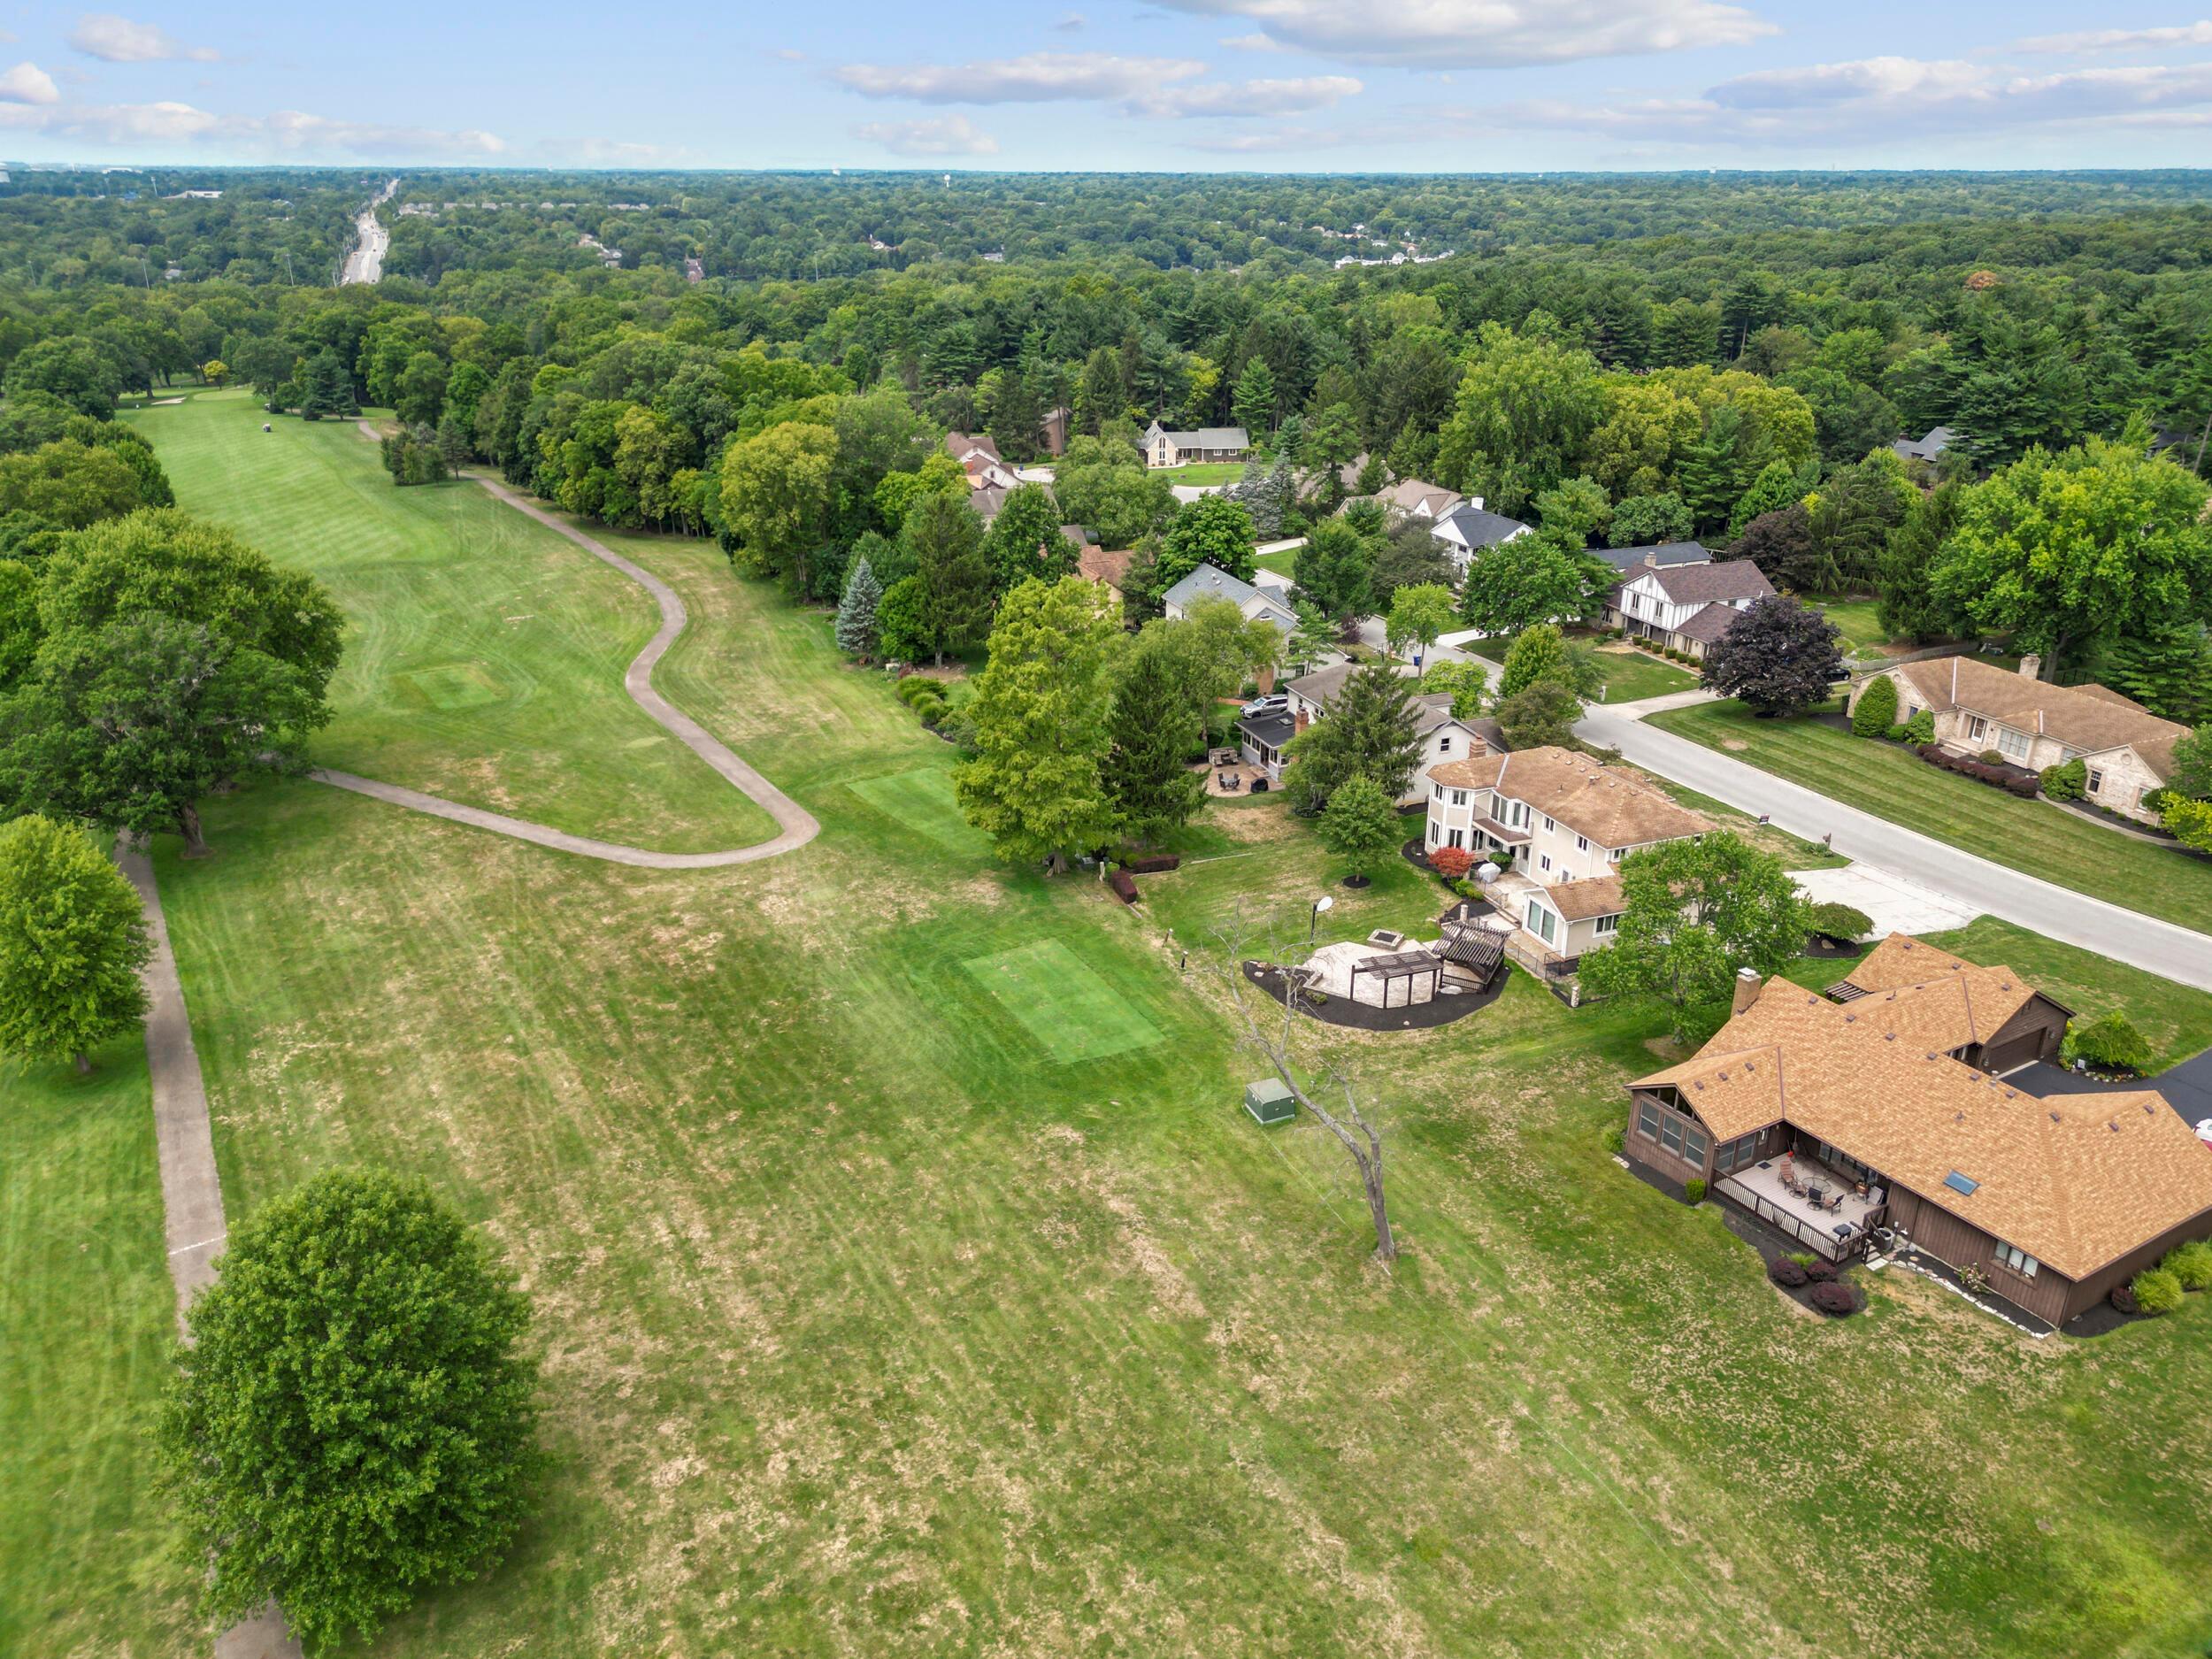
{"x":1337,"y":1011}
{"x":1829,"y":946}
{"x":1415,"y":853}
{"x":2101,"y":1320}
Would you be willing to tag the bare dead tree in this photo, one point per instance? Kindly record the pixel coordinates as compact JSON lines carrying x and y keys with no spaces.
{"x":1355,"y":1131}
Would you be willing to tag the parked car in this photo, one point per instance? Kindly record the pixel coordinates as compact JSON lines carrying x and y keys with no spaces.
{"x":1274,"y":703}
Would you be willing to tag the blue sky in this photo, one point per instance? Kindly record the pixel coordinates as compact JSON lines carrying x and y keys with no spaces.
{"x":1276,"y":85}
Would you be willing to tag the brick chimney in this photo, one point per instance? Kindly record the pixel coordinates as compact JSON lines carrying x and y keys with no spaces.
{"x":1303,"y":721}
{"x":1749,"y":984}
{"x":2032,"y":666}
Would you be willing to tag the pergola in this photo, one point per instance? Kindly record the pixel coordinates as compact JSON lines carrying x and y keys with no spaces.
{"x":1405,"y":965}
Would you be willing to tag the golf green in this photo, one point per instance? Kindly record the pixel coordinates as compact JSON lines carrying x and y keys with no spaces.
{"x":1061,"y":1003}
{"x":922,"y":800}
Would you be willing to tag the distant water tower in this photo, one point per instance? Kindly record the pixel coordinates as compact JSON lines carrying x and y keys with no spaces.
{"x":948,"y":182}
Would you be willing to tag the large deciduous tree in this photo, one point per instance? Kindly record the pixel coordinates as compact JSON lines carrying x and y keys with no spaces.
{"x":1025,"y":539}
{"x":1779,"y":658}
{"x":68,"y":484}
{"x":80,"y":372}
{"x":1042,"y":732}
{"x":1524,"y":409}
{"x":72,"y":942}
{"x":776,"y":495}
{"x":354,"y":1420}
{"x":1360,"y":824}
{"x":1333,"y":569}
{"x":1541,"y":714}
{"x":2061,"y":548}
{"x":1525,"y":581}
{"x":1698,"y":912}
{"x":1212,"y":530}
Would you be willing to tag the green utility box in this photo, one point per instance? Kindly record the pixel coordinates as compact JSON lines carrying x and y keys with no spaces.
{"x":1269,"y":1101}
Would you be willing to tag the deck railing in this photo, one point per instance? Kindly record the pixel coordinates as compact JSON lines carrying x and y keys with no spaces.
{"x":1783,"y":1221}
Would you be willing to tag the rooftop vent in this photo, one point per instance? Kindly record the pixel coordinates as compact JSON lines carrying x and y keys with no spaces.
{"x":2115,"y":1127}
{"x":1889,"y":1036}
{"x":1959,"y":1183}
{"x":2056,"y":1119}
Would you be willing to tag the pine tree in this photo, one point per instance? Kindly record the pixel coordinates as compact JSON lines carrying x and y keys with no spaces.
{"x":857,"y":612}
{"x":1253,"y":401}
{"x":956,"y":589}
{"x":1155,"y":730}
{"x":1368,"y":730}
{"x":326,"y":388}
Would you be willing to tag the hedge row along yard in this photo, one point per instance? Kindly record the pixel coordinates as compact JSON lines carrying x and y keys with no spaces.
{"x":909,"y":1277}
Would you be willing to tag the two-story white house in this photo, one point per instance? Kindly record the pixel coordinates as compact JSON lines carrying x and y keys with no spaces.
{"x":1162,"y":448}
{"x":1567,"y":822}
{"x":1979,"y":708}
{"x":1685,"y":607}
{"x":1469,"y":529}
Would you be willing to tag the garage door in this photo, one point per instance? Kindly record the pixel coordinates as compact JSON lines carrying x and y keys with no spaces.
{"x":2013,"y":1051}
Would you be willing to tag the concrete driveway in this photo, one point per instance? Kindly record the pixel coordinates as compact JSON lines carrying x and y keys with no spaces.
{"x":1896,"y":903}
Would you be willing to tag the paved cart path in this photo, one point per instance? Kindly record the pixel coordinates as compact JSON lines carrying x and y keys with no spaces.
{"x":191,"y":1194}
{"x":796,"y":826}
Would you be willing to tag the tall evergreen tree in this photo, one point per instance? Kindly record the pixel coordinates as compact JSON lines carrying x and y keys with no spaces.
{"x":1155,"y":730}
{"x":947,"y":539}
{"x":1369,"y":731}
{"x":1903,"y":573}
{"x":857,"y":612}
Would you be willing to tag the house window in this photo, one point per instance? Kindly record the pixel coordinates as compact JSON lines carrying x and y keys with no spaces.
{"x":1582,"y":843}
{"x":1911,"y":709}
{"x":1456,"y":836}
{"x":1608,"y":924}
{"x":1648,"y":1118}
{"x":1436,"y":831}
{"x":1459,"y":797}
{"x":1549,"y":825}
{"x":1440,"y":790}
{"x":1974,"y":728}
{"x":2011,"y":744}
{"x":1444,"y":744}
{"x":1545,"y":860}
{"x":2096,"y":783}
{"x":1735,"y":1154}
{"x":1613,"y":855}
{"x":1542,"y":923}
{"x":1682,"y":1139}
{"x":2018,"y":1259}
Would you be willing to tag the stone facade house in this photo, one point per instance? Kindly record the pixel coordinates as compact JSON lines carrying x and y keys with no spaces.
{"x":1978,"y":707}
{"x":1687,"y":606}
{"x":1882,"y":1103}
{"x":1569,"y":821}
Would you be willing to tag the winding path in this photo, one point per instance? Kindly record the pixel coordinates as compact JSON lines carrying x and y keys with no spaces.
{"x":794,"y":825}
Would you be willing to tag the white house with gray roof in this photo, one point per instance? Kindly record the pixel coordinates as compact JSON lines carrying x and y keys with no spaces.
{"x":1208,"y":582}
{"x":1162,"y":448}
{"x":1469,"y":528}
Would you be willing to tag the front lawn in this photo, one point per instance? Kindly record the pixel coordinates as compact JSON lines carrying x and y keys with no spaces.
{"x":1632,"y":676}
{"x":1202,"y":473}
{"x":1284,"y":562}
{"x":1891,"y":781}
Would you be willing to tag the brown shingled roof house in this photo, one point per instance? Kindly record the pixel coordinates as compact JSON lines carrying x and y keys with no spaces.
{"x":2127,"y":751}
{"x":1880,"y":1096}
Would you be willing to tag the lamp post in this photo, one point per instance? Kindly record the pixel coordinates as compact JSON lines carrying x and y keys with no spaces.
{"x":1313,"y":922}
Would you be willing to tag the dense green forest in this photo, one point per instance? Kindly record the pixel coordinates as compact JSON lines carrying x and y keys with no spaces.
{"x":774,"y":359}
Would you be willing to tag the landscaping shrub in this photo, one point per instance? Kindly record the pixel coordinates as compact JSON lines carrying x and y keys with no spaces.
{"x":1467,"y":889}
{"x":2157,"y":1290}
{"x":1451,"y":863}
{"x":1616,"y":1139}
{"x":1124,"y":889}
{"x":1921,"y":728}
{"x":1991,"y":757}
{"x":1151,"y":864}
{"x":2110,"y":1044}
{"x":1876,"y":710}
{"x":1820,"y":1269}
{"x":2068,"y":781}
{"x":1840,"y":921}
{"x":1786,"y":1273}
{"x":1694,"y":1190}
{"x":2023,"y":784}
{"x":1834,"y":1298}
{"x":1896,"y":733}
{"x":2123,"y":1298}
{"x":2192,"y":1264}
{"x":1803,"y":1258}
{"x":917,"y":687}
{"x":2156,"y":801}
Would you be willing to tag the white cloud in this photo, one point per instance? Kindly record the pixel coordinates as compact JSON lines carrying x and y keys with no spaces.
{"x":27,"y":83}
{"x":789,"y":55}
{"x":616,"y":152}
{"x":1885,"y":100}
{"x":285,"y":132}
{"x":1253,"y":43}
{"x":1074,"y":23}
{"x":1035,"y":78}
{"x":1249,"y":97}
{"x":2119,"y":40}
{"x":1489,"y":34}
{"x":940,"y":135}
{"x":118,"y":40}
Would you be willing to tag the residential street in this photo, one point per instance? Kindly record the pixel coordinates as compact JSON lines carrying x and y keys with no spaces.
{"x":2057,"y":913}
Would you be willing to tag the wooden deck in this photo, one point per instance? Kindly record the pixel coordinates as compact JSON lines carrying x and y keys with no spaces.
{"x":1837,"y":1233}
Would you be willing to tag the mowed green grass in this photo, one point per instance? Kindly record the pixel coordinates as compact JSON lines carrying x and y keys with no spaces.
{"x":1889,"y":781}
{"x":1073,"y":1012}
{"x":87,"y":1316}
{"x":1630,"y":676}
{"x":921,"y":801}
{"x":1202,"y":473}
{"x":485,"y":655}
{"x":871,"y":1326}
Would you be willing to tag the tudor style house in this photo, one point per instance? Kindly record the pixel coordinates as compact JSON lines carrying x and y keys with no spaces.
{"x":1659,"y":556}
{"x":1568,"y":821}
{"x":1829,"y":1119}
{"x":1443,"y":735}
{"x":1685,"y":606}
{"x":1978,"y":707}
{"x":1162,"y":448}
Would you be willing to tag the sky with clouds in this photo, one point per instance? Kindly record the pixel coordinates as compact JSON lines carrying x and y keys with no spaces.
{"x":1274,"y":85}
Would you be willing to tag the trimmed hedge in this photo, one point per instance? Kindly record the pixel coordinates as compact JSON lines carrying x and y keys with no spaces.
{"x":1694,"y":1190}
{"x":2025,"y":784}
{"x":1840,"y":921}
{"x":1124,"y":889}
{"x":1876,"y":710}
{"x":2190,"y":1263}
{"x":1151,"y":864}
{"x":2067,"y":781}
{"x":1787,"y":1273}
{"x":1834,"y":1298}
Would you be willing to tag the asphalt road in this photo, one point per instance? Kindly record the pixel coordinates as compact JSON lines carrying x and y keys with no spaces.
{"x":2056,"y":912}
